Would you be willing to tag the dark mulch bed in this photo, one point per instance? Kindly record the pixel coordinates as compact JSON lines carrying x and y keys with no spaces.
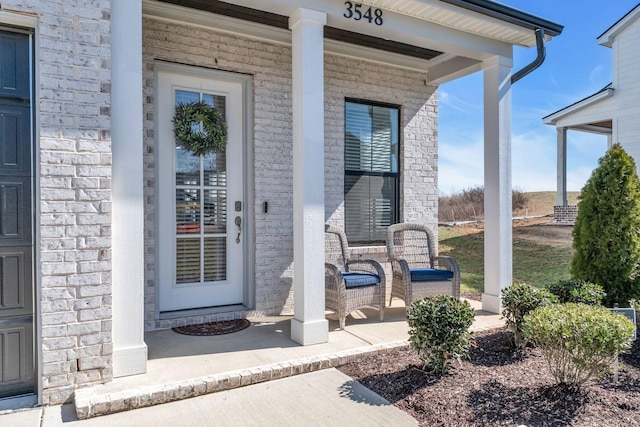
{"x":499,"y":386}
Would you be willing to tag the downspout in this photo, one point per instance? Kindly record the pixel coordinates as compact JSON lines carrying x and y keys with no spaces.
{"x":536,"y":62}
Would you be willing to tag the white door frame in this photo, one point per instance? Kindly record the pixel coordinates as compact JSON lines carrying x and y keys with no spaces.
{"x":248,"y":203}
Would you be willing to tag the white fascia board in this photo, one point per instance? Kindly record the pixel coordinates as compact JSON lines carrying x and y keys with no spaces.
{"x":606,"y":39}
{"x":375,"y":55}
{"x":552,"y":119}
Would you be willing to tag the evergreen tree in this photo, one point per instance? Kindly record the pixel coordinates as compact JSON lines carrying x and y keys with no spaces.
{"x":606,"y":236}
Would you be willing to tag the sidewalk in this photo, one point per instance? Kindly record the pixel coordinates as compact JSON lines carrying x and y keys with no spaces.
{"x":322,"y":398}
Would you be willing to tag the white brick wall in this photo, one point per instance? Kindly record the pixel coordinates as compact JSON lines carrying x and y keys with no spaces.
{"x":73,"y":78}
{"x":270,"y":66}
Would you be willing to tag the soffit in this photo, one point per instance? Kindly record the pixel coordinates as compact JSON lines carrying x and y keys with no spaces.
{"x":459,"y":18}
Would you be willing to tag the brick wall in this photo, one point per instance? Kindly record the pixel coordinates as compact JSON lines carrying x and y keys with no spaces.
{"x":270,"y":66}
{"x":565,"y":214}
{"x":74,"y":200}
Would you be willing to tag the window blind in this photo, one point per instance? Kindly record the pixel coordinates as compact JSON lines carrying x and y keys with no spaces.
{"x":371,"y":170}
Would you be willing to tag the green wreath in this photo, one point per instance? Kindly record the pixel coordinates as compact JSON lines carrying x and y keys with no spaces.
{"x":211,"y":137}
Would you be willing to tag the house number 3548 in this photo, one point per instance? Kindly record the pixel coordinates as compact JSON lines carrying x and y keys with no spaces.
{"x":357,"y":12}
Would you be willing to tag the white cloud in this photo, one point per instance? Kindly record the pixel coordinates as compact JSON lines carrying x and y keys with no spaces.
{"x":533,"y":161}
{"x":596,"y":77}
{"x":446,"y":99}
{"x":577,"y":178}
{"x":460,"y":166}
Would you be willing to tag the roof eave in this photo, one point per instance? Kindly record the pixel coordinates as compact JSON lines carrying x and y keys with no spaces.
{"x":552,"y":118}
{"x":606,"y":38}
{"x":508,"y":14}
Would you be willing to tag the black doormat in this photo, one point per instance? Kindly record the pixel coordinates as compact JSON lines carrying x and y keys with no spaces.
{"x":214,"y":328}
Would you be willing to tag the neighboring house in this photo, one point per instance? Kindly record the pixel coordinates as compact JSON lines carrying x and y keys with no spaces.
{"x":332,"y":114}
{"x":613,"y":111}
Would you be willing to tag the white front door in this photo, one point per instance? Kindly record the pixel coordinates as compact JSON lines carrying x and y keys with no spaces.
{"x":200,"y":200}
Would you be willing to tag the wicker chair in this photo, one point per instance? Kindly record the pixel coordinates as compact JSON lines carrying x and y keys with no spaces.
{"x":350,"y":284}
{"x":418,"y":271}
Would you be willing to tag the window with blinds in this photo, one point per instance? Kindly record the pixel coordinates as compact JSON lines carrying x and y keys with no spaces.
{"x":371,"y":181}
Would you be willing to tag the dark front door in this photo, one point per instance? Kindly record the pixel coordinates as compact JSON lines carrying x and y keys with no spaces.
{"x":17,"y":373}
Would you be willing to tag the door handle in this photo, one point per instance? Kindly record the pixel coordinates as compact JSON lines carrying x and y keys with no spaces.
{"x":239,"y":224}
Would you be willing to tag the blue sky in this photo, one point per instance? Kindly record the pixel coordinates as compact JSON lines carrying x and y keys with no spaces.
{"x":576,"y":66}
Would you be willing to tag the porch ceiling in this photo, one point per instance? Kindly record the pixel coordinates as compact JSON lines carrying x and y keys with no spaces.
{"x":604,"y":127}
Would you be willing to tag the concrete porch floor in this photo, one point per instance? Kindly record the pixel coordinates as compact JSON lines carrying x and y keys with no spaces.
{"x":182,"y":366}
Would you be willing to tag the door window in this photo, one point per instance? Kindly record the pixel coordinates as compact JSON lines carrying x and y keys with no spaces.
{"x":201,"y":206}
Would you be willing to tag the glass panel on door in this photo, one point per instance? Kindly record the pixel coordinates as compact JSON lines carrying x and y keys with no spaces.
{"x":201,"y":206}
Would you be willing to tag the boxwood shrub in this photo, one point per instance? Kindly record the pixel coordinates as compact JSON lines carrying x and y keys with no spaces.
{"x":579,"y":341}
{"x":518,"y":300}
{"x":578,"y":291}
{"x":439,"y":330}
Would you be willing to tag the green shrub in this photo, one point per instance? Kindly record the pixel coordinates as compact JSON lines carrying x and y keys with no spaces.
{"x":635,"y":304}
{"x":579,"y":341}
{"x":439,"y":330}
{"x":578,"y":291}
{"x":606,"y":235}
{"x":518,"y":300}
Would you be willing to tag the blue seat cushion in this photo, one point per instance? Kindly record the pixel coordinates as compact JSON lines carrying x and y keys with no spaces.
{"x":430,"y":275}
{"x":360,"y":280}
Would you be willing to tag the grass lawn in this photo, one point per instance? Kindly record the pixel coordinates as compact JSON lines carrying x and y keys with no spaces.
{"x":533,"y":263}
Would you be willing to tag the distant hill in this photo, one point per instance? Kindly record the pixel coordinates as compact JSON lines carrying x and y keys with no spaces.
{"x":542,"y":202}
{"x":468,"y":205}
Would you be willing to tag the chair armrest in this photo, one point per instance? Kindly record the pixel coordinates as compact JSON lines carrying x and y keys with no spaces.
{"x":446,"y":263}
{"x":400,"y":267}
{"x":333,"y":277}
{"x":395,"y":263}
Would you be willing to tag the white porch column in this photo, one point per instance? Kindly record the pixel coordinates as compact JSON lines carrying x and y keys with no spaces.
{"x":129,"y":348}
{"x":561,"y":194}
{"x":497,"y":181}
{"x":309,"y":325}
